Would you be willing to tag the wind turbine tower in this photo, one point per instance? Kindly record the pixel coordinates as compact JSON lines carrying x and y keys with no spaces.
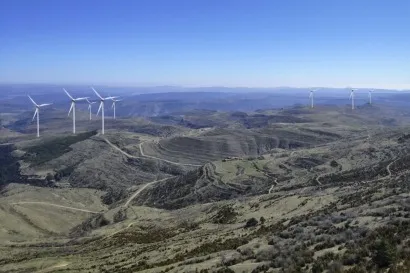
{"x":311,"y":98}
{"x":370,"y":97}
{"x":102,"y":100}
{"x":113,"y":105}
{"x":89,"y":106}
{"x":72,"y":108}
{"x":37,"y":113}
{"x":352,"y":98}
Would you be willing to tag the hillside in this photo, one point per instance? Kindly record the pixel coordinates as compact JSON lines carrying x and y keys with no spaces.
{"x":321,"y":191}
{"x":221,"y":143}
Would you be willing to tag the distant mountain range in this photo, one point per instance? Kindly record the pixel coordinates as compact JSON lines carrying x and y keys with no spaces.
{"x":164,"y":100}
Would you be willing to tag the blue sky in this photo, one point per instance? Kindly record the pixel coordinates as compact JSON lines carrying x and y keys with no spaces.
{"x":254,"y":43}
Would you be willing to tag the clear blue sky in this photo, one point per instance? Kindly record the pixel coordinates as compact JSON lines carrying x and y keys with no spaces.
{"x":255,"y":43}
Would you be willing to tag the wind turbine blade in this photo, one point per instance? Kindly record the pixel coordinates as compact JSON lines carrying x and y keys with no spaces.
{"x":99,"y":108}
{"x":110,"y":98}
{"x":85,"y":98}
{"x":71,"y":108}
{"x":112,"y":106}
{"x":68,"y":94}
{"x":32,"y":100}
{"x":96,"y":93}
{"x":44,"y":104}
{"x":89,"y":106}
{"x":35,"y":113}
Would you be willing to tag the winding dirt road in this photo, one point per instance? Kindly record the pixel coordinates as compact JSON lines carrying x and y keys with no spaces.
{"x":141,"y":189}
{"x":54,"y":205}
{"x":389,"y":174}
{"x":148,"y":156}
{"x":275,"y":184}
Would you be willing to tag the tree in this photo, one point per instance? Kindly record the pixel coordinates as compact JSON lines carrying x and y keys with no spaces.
{"x":384,"y":254}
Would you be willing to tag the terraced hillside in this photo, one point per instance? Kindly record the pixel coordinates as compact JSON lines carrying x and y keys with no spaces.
{"x":280,"y":170}
{"x":222,"y":143}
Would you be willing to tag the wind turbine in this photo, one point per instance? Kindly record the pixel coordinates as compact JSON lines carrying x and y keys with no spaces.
{"x":352,"y":97}
{"x":102,"y":100}
{"x":73,"y":101}
{"x":370,"y":97}
{"x":89,"y":106}
{"x":113,"y":105}
{"x":311,"y":98}
{"x":37,"y":113}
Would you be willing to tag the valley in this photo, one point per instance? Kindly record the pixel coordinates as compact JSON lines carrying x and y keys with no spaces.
{"x":292,"y":190}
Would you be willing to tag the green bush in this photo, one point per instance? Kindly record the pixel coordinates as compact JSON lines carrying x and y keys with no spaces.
{"x":384,"y":254}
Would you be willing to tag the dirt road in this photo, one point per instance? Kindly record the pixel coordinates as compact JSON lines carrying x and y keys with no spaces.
{"x":141,"y":189}
{"x":54,"y":205}
{"x":147,"y":156}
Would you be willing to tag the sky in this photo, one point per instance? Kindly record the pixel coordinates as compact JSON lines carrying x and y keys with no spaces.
{"x":246,"y":43}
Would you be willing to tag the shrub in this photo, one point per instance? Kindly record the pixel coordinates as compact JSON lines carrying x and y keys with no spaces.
{"x":334,"y":163}
{"x":252,"y":222}
{"x":49,"y":177}
{"x":225,"y":215}
{"x":120,"y":216}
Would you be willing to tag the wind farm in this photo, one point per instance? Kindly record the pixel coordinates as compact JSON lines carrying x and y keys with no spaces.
{"x":114,"y":100}
{"x":229,"y":137}
{"x":158,"y":181}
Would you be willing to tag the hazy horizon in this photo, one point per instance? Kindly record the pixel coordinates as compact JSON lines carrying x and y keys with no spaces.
{"x":152,"y":85}
{"x":259,"y":44}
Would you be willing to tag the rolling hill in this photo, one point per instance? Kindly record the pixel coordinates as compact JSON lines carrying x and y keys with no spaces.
{"x":277,"y":190}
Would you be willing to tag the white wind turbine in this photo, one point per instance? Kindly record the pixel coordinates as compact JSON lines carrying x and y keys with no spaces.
{"x":37,"y":113}
{"x":102,"y":100}
{"x":90,"y":103}
{"x":72,"y":107}
{"x":311,"y":94}
{"x":370,"y":97}
{"x":352,"y":97}
{"x":113,"y":105}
